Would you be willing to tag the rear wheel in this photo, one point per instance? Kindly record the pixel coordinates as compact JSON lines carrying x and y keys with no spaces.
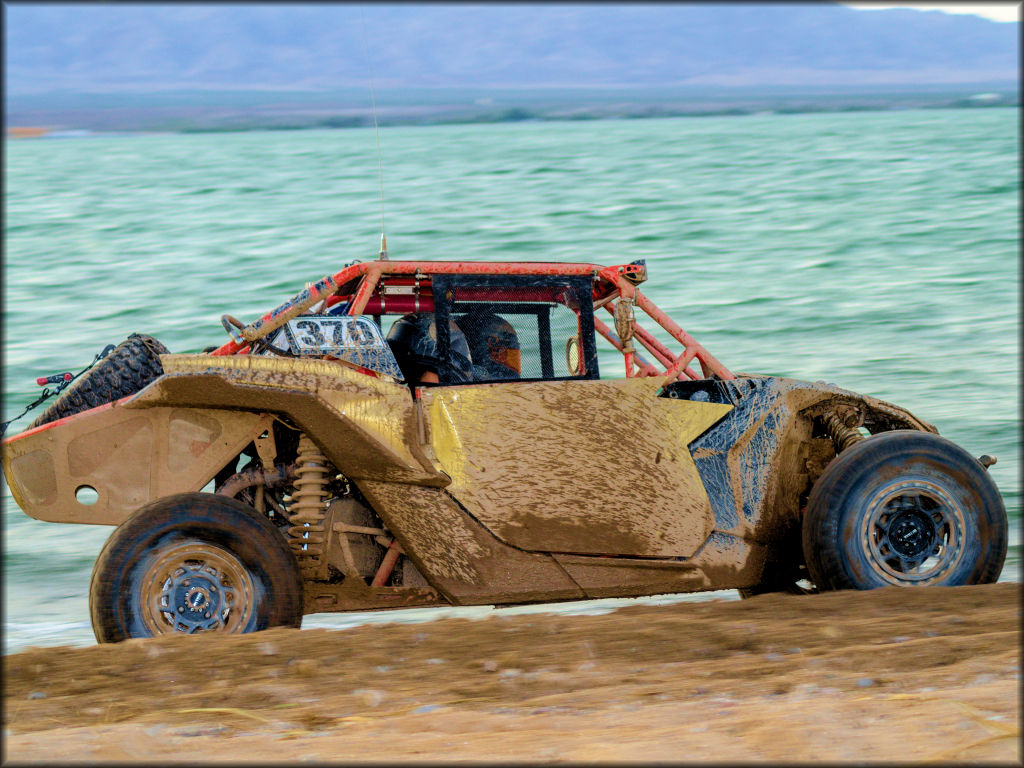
{"x":904,"y":508}
{"x":194,"y":562}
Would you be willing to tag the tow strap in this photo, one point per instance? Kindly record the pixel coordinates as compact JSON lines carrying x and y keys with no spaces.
{"x":63,"y":380}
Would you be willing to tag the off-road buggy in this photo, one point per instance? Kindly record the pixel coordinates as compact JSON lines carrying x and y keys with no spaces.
{"x":295,"y":469}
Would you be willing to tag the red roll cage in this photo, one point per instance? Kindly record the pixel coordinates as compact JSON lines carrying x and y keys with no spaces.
{"x":379,"y":287}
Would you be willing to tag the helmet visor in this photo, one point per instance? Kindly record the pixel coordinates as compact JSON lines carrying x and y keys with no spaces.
{"x":510,"y":358}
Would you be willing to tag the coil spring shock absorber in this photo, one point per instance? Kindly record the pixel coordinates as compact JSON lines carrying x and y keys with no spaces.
{"x":307,"y":510}
{"x":842,"y":426}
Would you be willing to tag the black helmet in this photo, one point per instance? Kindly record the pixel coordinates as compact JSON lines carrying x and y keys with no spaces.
{"x":413,"y":339}
{"x":493,"y":344}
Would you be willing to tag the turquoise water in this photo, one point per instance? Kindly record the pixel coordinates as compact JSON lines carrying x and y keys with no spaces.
{"x":878,"y":251}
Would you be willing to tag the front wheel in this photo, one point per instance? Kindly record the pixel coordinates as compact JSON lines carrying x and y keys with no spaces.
{"x":194,"y":562}
{"x":904,"y":508}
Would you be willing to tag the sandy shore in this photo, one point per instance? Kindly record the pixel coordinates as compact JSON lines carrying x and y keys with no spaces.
{"x":890,"y":675}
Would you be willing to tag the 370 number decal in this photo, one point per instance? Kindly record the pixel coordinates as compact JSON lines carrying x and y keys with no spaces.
{"x":355,"y":340}
{"x":343,"y":332}
{"x":316,"y":335}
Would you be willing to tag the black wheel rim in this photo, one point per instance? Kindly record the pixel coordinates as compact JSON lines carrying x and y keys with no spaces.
{"x":913,"y":533}
{"x":195,"y":586}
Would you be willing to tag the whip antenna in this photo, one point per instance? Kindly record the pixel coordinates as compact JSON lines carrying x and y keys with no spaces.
{"x":376,"y":132}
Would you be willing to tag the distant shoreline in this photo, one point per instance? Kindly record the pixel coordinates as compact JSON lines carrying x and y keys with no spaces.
{"x":86,"y":122}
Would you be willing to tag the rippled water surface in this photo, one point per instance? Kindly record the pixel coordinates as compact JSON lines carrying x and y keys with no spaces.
{"x":878,"y":251}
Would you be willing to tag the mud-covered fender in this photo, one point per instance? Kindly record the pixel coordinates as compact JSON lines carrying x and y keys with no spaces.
{"x":755,"y":462}
{"x":178,"y":432}
{"x":368,"y":426}
{"x":127,"y":456}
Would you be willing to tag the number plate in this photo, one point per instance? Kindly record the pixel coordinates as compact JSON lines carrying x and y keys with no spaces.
{"x":356,"y":340}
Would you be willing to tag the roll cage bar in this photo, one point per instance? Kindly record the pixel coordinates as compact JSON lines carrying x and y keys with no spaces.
{"x":378,"y":287}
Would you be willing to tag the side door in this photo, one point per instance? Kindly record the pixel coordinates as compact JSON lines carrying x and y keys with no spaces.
{"x":553,"y":459}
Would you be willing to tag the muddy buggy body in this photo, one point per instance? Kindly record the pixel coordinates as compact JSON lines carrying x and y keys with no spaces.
{"x":296,"y":469}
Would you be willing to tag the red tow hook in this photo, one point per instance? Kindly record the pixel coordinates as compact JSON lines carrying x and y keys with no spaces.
{"x":56,"y":378}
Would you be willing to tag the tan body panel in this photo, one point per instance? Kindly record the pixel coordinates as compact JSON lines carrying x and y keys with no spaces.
{"x":458,"y":556}
{"x":470,"y":566}
{"x":368,"y":427}
{"x":177,"y":433}
{"x":723,"y":562}
{"x":586,"y":467}
{"x":129,"y":456}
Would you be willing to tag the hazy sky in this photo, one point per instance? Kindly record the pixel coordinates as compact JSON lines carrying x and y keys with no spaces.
{"x":994,"y":11}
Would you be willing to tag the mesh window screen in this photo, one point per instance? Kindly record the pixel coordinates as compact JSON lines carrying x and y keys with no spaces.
{"x":519,"y":327}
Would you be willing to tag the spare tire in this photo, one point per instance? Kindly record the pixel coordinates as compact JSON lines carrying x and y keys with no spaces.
{"x":129,"y":367}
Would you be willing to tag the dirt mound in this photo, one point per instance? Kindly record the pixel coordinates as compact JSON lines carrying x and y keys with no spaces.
{"x":891,"y":675}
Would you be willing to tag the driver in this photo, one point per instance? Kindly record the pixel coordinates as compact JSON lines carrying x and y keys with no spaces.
{"x":413,"y":339}
{"x":493,"y":344}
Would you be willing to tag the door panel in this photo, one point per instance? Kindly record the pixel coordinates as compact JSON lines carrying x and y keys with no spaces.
{"x":587,"y":467}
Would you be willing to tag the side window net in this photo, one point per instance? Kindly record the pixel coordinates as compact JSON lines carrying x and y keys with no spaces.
{"x":519,"y":327}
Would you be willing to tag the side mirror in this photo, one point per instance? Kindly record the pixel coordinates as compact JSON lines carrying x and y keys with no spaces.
{"x":573,"y":358}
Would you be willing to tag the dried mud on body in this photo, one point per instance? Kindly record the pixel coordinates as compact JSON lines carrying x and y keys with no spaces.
{"x":893,"y":675}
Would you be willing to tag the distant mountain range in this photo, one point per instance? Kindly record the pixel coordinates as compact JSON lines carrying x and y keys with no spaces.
{"x":111,"y":47}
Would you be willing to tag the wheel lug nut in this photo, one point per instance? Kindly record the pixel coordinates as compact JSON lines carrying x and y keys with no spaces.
{"x":180,"y":609}
{"x":207,"y":614}
{"x":213,"y":588}
{"x":186,"y":582}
